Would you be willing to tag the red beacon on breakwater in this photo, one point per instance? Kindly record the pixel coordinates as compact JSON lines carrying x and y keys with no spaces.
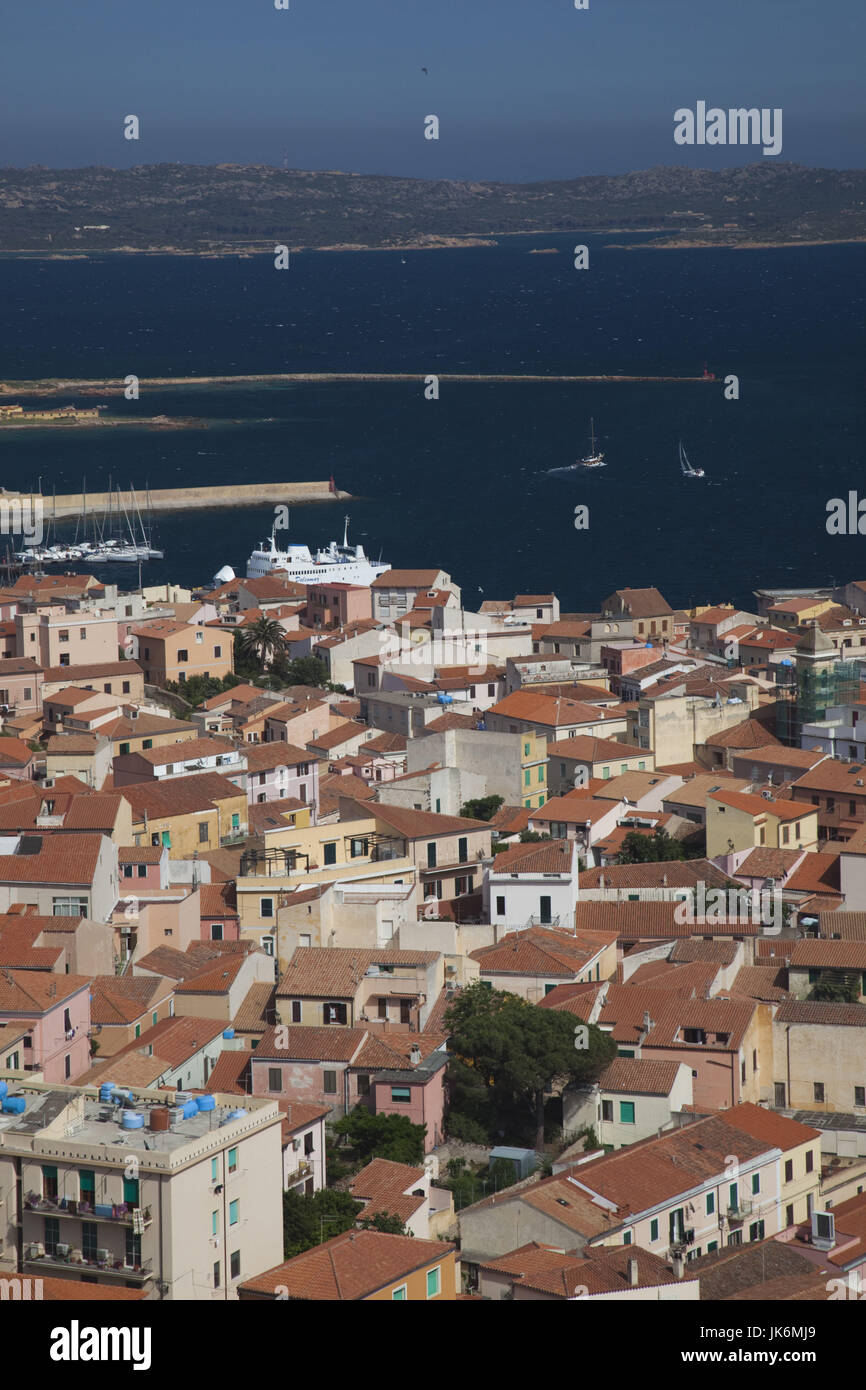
{"x":708,"y":375}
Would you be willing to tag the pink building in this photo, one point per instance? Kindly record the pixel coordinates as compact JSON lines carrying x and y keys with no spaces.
{"x":56,"y":1011}
{"x":335,"y":605}
{"x":142,"y":867}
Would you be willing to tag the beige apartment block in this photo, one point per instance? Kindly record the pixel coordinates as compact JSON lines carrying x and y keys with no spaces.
{"x":53,"y":637}
{"x":182,"y":1207}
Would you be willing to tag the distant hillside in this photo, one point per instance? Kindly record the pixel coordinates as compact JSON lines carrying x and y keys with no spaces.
{"x":197,"y":208}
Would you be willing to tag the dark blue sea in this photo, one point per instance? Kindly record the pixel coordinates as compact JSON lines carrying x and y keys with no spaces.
{"x":462,"y":482}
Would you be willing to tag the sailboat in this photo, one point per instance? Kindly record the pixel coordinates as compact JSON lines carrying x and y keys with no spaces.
{"x":688,"y":471}
{"x":594,"y":459}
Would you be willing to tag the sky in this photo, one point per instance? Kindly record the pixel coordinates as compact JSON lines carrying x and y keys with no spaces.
{"x":523,"y":89}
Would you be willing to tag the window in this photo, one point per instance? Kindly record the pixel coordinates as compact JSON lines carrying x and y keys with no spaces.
{"x":88,"y":1239}
{"x":626,"y":1112}
{"x":49,"y":1181}
{"x":462,"y":849}
{"x":217,"y":651}
{"x":234,"y":1212}
{"x":216,"y":1275}
{"x":266,"y":907}
{"x":654,"y":1229}
{"x":127,"y":871}
{"x":63,"y":635}
{"x":334,"y":1012}
{"x":810,"y":1160}
{"x":166,"y":838}
{"x":756,"y":1183}
{"x":235,"y":1265}
{"x":434,"y":1282}
{"x":330,"y":853}
{"x":296,"y":1011}
{"x":216,"y":931}
{"x":233,"y":1160}
{"x":818,"y":1092}
{"x":607,"y":1110}
{"x":214,"y":1169}
{"x":756,"y":1230}
{"x":860,"y":1095}
{"x":399,"y":1295}
{"x":52,"y":1234}
{"x":67,"y":1067}
{"x":214,"y":1223}
{"x":789,"y":1214}
{"x":711,"y":1203}
{"x":138,"y":1030}
{"x":431,"y":855}
{"x":183,"y":654}
{"x":544,"y":909}
{"x":400,"y":1094}
{"x":68,"y":907}
{"x":275,"y":1079}
{"x":500,"y":905}
{"x":203,"y":832}
{"x":789,"y":1170}
{"x":330,"y":1083}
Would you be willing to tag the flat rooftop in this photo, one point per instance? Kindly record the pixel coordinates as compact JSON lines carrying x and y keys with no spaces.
{"x":75,"y":1116}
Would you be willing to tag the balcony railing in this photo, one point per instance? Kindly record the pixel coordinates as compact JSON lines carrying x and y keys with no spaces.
{"x":78,"y":1210}
{"x":542,"y":922}
{"x":117,"y":1268}
{"x":737,"y":1215}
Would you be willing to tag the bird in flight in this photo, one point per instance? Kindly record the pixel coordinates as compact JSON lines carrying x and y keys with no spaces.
{"x":423,"y":69}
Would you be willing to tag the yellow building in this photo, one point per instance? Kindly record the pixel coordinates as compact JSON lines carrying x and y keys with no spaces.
{"x":188,"y":814}
{"x":362,"y":1266}
{"x":741,"y":820}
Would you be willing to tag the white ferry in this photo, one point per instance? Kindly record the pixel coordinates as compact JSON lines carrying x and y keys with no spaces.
{"x":343,"y":564}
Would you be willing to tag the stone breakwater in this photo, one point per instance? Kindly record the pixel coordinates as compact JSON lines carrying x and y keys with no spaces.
{"x":189,"y":498}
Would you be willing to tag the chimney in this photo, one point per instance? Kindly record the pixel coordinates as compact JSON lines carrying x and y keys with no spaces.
{"x":632,"y":1273}
{"x":678,"y":1266}
{"x":415,"y":1055}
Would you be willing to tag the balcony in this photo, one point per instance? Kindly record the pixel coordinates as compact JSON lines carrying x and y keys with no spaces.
{"x":116,"y":1268}
{"x":118,"y":1212}
{"x":542,"y":921}
{"x":680,"y":1243}
{"x":738,"y":1214}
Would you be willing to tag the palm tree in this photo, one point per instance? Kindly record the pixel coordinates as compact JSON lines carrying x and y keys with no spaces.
{"x":265,"y":639}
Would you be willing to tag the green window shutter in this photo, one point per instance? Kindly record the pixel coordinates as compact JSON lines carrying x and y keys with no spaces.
{"x":654,"y":1229}
{"x":130,"y":1191}
{"x":711,"y":1203}
{"x":626,"y":1112}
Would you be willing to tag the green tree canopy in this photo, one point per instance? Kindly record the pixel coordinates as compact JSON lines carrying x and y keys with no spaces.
{"x":650,"y":849}
{"x":387,"y":1222}
{"x":482,"y":807}
{"x":510,"y":1051}
{"x":308,"y":1220}
{"x":382,"y":1136}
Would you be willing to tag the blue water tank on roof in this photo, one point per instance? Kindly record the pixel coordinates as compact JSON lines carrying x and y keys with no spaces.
{"x":205,"y":1103}
{"x":228,"y":1032}
{"x":131,"y":1120}
{"x":14,"y":1105}
{"x":190,"y":1109}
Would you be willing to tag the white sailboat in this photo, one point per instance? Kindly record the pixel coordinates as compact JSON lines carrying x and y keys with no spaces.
{"x":688,"y":470}
{"x":594,"y":459}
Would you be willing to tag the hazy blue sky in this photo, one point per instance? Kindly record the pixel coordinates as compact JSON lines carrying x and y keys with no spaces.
{"x":524,"y":89}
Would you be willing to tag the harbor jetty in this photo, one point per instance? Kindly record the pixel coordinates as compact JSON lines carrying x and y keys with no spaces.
{"x":84,"y":387}
{"x":180,"y":499}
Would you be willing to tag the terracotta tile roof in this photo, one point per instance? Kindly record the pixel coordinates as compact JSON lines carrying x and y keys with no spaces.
{"x":262,"y":757}
{"x":16,"y":752}
{"x":737,"y":1271}
{"x":553,"y":858}
{"x":58,"y":859}
{"x":351,"y":1266}
{"x":834,"y":776}
{"x":181,"y":965}
{"x":819,"y":872}
{"x":256,"y":1012}
{"x":385,"y":1186}
{"x":139,"y":854}
{"x":850,"y":926}
{"x":644,"y":921}
{"x":768,"y":1127}
{"x":443,"y":722}
{"x":76,"y":1291}
{"x":640,"y":603}
{"x":538,"y":951}
{"x":765,"y":982}
{"x":675,"y":873}
{"x":423,"y":824}
{"x":829,"y":955}
{"x":406,"y":579}
{"x":751,"y":733}
{"x":98,"y":811}
{"x":298,"y":1115}
{"x":823,"y":1014}
{"x":144,"y":725}
{"x":572,"y":810}
{"x":122,"y":999}
{"x":216,"y":979}
{"x":231,"y":1073}
{"x":174,"y":1041}
{"x":509,"y":820}
{"x":577,"y":999}
{"x":639,"y":1076}
{"x":337,"y":971}
{"x":696,"y":976}
{"x":758,"y":806}
{"x":189,"y":751}
{"x":178,"y":796}
{"x":310,"y":1043}
{"x":126,"y":1068}
{"x":694,"y":792}
{"x":587,"y":748}
{"x":548,"y":710}
{"x":218,"y":900}
{"x":766,"y":862}
{"x":722,"y":952}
